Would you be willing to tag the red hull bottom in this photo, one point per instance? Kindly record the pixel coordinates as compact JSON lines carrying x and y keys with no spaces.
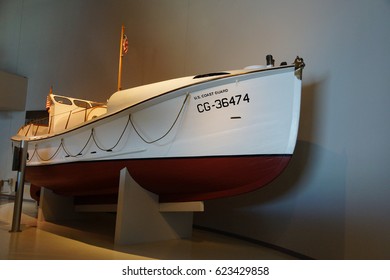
{"x":173,"y":179}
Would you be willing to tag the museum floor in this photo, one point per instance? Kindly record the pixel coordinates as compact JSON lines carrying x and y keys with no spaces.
{"x":93,"y":240}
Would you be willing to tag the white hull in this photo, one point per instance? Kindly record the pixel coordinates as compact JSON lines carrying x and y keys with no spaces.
{"x":244,"y":113}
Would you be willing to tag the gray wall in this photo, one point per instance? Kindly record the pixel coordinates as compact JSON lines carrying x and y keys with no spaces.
{"x":332,"y":202}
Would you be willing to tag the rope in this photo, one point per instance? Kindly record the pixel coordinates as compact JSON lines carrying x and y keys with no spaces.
{"x":169,"y":130}
{"x":93,"y":137}
{"x":117,"y":142}
{"x":50,"y":158}
{"x":79,"y":153}
{"x":30,"y":158}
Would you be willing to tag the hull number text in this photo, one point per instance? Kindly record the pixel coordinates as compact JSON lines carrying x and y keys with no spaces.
{"x":223,"y":103}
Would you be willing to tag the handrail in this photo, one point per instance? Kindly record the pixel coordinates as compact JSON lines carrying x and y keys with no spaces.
{"x":67,"y":121}
{"x":32,"y":127}
{"x":36,"y":131}
{"x":29,"y":126}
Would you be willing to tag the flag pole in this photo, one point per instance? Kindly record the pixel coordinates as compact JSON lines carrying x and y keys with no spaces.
{"x":120,"y":58}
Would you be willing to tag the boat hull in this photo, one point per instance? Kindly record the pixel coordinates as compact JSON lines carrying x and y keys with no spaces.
{"x":204,"y":140}
{"x":174,"y":179}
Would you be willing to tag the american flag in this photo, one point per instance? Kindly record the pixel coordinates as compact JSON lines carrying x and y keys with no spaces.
{"x":125,"y":44}
{"x":48,"y":99}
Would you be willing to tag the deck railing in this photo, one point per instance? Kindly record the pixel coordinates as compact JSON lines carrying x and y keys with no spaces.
{"x":48,"y":124}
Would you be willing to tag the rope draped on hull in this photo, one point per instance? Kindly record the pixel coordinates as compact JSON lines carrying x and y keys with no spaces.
{"x":92,"y":136}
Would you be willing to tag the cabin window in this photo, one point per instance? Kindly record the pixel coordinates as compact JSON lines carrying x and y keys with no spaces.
{"x":95,"y":104}
{"x":81,"y":104}
{"x":62,"y":100}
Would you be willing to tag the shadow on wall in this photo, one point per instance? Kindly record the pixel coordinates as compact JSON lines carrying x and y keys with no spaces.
{"x":302,"y":210}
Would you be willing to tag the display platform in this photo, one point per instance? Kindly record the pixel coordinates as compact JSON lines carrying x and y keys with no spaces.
{"x":93,"y":238}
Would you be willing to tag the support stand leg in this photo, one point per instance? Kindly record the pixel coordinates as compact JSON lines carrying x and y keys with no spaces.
{"x":53,"y":207}
{"x":139,"y":218}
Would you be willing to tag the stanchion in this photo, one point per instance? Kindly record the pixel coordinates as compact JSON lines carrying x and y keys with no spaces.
{"x":22,"y":154}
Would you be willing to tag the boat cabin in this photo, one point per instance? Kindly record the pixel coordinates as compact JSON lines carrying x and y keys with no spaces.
{"x":64,"y":113}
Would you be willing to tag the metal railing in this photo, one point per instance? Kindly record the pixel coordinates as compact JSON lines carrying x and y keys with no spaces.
{"x":45,"y":125}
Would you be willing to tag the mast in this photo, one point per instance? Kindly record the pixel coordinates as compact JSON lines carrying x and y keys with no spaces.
{"x":123,"y":48}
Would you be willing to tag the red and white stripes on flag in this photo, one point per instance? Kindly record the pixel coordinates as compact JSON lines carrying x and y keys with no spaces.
{"x":48,"y":99}
{"x":48,"y":102}
{"x":125,"y":44}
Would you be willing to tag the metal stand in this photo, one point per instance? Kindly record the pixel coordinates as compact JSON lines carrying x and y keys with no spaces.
{"x":20,"y":187}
